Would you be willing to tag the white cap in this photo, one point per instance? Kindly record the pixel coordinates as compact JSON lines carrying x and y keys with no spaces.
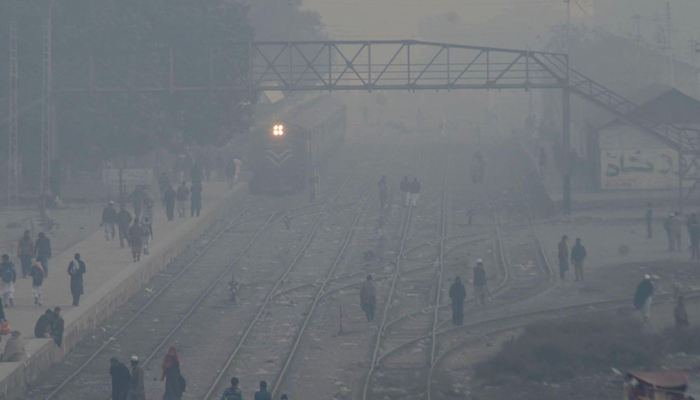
{"x":134,"y":358}
{"x":479,"y":261}
{"x":647,"y":276}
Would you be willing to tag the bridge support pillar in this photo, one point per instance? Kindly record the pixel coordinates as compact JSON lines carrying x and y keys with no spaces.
{"x":566,"y":150}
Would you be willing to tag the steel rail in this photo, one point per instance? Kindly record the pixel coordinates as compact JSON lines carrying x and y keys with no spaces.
{"x":320,"y":292}
{"x":148,"y":303}
{"x":309,"y":238}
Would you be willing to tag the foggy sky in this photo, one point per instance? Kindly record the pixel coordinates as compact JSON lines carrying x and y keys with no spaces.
{"x":503,"y":23}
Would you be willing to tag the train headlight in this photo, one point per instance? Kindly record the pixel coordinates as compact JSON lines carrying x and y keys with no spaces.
{"x":278,"y":130}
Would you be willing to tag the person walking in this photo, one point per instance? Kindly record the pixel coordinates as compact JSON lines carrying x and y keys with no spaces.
{"x":578,"y":254}
{"x":109,"y":221}
{"x":57,"y":327}
{"x":123,"y":222}
{"x":137,"y":202}
{"x":694,"y":234}
{"x":43,"y":252}
{"x":383,"y":193}
{"x":680,"y":315}
{"x":169,"y":199}
{"x":643,"y":297}
{"x":137,"y":390}
{"x":480,"y":289}
{"x":196,"y":198}
{"x":231,"y":171}
{"x":669,"y":233}
{"x":563,"y":255}
{"x":148,"y":203}
{"x":163,"y":185}
{"x":174,"y":382}
{"x":415,"y":192}
{"x":147,"y":234}
{"x":76,"y":270}
{"x":8,"y":277}
{"x":405,"y":187}
{"x":25,"y":251}
{"x":677,"y":231}
{"x":458,"y":293}
{"x":232,"y":392}
{"x":649,"y":218}
{"x":37,"y":274}
{"x":120,"y":379}
{"x":136,"y":240}
{"x":368,"y":298}
{"x":42,"y":328}
{"x":182,"y":194}
{"x":263,"y":394}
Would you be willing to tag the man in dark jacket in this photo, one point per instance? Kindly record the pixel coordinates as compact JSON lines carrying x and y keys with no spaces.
{"x":137,"y":202}
{"x":263,"y":394}
{"x":169,"y":199}
{"x":415,"y":192}
{"x":42,"y":329}
{"x":43,"y":252}
{"x":109,"y":221}
{"x":578,"y":254}
{"x":643,"y":297}
{"x":669,"y":233}
{"x":123,"y":220}
{"x":405,"y":187}
{"x":480,"y":289}
{"x":120,"y":379}
{"x":76,"y":270}
{"x":25,"y":252}
{"x":458,"y":294}
{"x":232,"y":392}
{"x":57,"y":327}
{"x":196,"y":198}
{"x":563,"y":255}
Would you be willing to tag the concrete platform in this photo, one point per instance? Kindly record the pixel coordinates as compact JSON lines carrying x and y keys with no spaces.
{"x":111,"y":278}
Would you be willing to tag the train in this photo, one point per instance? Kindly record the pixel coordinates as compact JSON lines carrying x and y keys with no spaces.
{"x":288,"y":151}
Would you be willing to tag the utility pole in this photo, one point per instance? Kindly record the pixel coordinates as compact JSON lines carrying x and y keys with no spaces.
{"x":669,"y":32}
{"x":46,"y":114}
{"x":13,"y":136}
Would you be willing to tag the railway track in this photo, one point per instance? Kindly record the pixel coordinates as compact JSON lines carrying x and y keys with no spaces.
{"x":277,"y":299}
{"x":244,"y":234}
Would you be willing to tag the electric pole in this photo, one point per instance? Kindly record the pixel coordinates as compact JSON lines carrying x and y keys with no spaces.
{"x":13,"y":136}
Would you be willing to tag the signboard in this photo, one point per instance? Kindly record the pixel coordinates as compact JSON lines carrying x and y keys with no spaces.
{"x":130,"y":176}
{"x":639,"y":169}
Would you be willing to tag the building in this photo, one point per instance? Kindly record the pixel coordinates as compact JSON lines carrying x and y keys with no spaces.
{"x":625,"y":157}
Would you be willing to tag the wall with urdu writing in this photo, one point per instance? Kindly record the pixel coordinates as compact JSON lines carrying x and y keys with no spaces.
{"x":631,"y":159}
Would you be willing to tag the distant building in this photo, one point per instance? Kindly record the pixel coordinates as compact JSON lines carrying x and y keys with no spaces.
{"x":625,"y":157}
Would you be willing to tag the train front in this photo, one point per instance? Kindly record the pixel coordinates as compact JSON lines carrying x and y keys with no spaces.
{"x":279,"y":160}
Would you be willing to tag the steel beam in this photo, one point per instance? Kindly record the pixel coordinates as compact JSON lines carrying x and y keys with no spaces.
{"x":13,"y":133}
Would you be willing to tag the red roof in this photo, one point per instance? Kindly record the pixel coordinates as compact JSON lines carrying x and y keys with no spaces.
{"x":664,"y":379}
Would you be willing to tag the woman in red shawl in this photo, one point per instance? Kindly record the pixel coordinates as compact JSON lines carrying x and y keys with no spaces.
{"x":174,"y":382}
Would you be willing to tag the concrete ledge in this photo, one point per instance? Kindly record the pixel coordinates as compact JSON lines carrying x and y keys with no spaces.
{"x":99,"y":305}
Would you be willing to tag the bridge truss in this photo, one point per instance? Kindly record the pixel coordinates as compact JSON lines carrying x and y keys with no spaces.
{"x":368,"y":66}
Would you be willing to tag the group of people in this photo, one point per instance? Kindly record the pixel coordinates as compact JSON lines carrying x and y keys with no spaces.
{"x":50,"y":325}
{"x":137,"y":233}
{"x":411,"y":191}
{"x":578,"y":255}
{"x":458,"y":293}
{"x":673,"y":225}
{"x":27,"y":249}
{"x":171,"y":197}
{"x":131,"y":384}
